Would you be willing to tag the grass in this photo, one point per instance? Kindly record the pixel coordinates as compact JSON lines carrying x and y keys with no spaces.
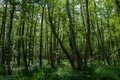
{"x":96,"y":71}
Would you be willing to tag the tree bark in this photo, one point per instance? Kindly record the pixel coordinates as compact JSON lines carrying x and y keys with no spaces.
{"x":88,"y":51}
{"x":41,"y":38}
{"x":52,"y":25}
{"x":9,"y":54}
{"x":72,"y":37}
{"x":2,"y":36}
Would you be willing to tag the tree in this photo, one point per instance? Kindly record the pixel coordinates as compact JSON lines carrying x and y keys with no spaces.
{"x":88,"y":51}
{"x":72,"y":37}
{"x":41,"y":30}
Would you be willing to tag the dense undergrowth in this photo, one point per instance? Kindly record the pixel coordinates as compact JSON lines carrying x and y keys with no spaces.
{"x":96,"y":71}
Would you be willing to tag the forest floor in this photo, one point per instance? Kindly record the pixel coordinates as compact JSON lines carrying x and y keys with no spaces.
{"x":96,"y":71}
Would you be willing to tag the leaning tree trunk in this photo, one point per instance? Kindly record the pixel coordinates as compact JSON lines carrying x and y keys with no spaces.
{"x":72,"y":37}
{"x":52,"y":25}
{"x":88,"y":51}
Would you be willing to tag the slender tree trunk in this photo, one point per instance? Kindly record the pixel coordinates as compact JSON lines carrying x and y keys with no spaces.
{"x":46,"y":38}
{"x":18,"y":45}
{"x":82,"y":15}
{"x":58,"y":54}
{"x":2,"y":35}
{"x":41,"y":38}
{"x":88,"y":51}
{"x":23,"y":48}
{"x":9,"y":54}
{"x":23,"y":31}
{"x":51,"y":50}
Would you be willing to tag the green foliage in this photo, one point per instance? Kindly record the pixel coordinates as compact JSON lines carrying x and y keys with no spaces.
{"x":39,"y":76}
{"x":94,"y":71}
{"x":105,"y":31}
{"x":103,"y":72}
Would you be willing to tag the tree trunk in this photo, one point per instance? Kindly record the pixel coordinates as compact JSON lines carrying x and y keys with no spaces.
{"x":88,"y":51}
{"x":52,"y":25}
{"x":2,"y":36}
{"x":23,"y":41}
{"x":41,"y":38}
{"x":72,"y":37}
{"x":9,"y":47}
